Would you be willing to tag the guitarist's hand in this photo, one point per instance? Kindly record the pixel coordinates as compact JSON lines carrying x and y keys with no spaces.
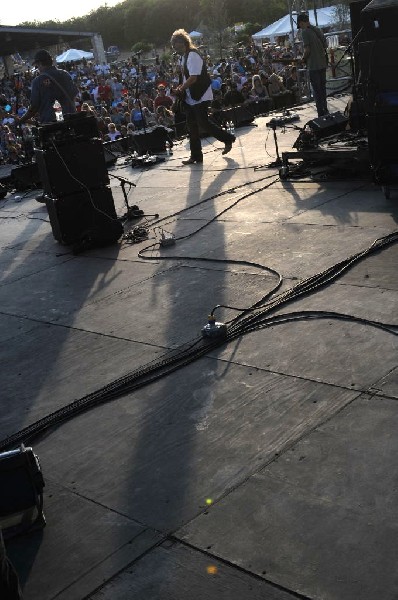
{"x":180,"y":92}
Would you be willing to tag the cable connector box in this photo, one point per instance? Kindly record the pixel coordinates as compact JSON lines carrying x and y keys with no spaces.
{"x":167,"y":240}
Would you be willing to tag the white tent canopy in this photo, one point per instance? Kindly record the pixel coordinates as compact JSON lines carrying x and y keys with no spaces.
{"x":325,"y":17}
{"x":73,"y":55}
{"x":195,"y":34}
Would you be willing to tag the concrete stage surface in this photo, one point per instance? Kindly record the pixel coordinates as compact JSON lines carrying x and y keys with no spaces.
{"x":266,"y":468}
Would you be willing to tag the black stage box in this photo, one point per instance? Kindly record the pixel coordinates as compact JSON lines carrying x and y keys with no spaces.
{"x":69,"y":167}
{"x":328,"y":124}
{"x":83,"y":216}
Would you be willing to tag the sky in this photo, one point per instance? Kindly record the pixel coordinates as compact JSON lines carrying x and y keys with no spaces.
{"x":26,"y":10}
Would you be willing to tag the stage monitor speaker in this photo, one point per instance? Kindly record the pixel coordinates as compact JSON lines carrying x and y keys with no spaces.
{"x":21,"y":497}
{"x":260,"y":107}
{"x":328,"y":124}
{"x":25,"y":177}
{"x":121,"y":145}
{"x":86,"y":215}
{"x":152,"y":140}
{"x":71,"y":167}
{"x":239,"y":115}
{"x":379,"y":19}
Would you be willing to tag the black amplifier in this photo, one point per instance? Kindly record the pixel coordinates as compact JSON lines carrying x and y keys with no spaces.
{"x":75,"y":126}
{"x":328,"y":124}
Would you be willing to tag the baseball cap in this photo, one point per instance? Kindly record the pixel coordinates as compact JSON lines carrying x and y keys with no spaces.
{"x":302,"y":17}
{"x":42,"y":56}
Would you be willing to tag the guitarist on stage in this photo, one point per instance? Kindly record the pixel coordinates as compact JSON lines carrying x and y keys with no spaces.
{"x":52,"y":84}
{"x":196,"y":90}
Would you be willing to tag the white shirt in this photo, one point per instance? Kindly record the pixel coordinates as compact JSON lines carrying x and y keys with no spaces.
{"x":194,"y":66}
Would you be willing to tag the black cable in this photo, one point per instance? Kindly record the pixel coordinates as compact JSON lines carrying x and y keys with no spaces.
{"x":312,"y":283}
{"x":186,"y":354}
{"x":209,"y":199}
{"x":306,"y":315}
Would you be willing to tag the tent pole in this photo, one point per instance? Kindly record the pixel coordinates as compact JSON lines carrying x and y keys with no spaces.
{"x":315,"y":14}
{"x":289,"y":7}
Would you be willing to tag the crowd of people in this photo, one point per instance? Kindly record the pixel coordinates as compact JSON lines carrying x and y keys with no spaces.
{"x":127,"y":97}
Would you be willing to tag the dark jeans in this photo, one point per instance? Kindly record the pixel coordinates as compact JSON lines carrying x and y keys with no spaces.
{"x":318,"y":82}
{"x":198,"y":123}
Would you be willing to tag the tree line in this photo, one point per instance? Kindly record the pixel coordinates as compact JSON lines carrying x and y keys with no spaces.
{"x":153,"y":21}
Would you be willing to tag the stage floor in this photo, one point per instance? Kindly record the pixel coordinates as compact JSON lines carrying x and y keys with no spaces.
{"x":264,"y":469}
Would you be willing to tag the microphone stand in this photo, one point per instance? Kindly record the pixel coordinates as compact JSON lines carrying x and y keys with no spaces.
{"x":278,"y":162}
{"x":132,"y":212}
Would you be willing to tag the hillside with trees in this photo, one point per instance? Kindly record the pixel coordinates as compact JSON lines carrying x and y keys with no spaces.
{"x":153,"y":21}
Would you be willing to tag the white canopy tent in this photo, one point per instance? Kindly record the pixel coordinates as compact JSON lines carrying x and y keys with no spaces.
{"x":325,"y":18}
{"x":73,"y":55}
{"x":195,"y":34}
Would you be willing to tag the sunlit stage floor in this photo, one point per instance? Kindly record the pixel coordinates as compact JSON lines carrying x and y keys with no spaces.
{"x":264,"y":469}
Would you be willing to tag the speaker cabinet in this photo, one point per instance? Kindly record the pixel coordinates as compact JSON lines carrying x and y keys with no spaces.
{"x":21,"y":497}
{"x":379,"y":72}
{"x":68,"y":168}
{"x":84,"y":215}
{"x":383,"y":148}
{"x":379,"y":19}
{"x":239,"y":115}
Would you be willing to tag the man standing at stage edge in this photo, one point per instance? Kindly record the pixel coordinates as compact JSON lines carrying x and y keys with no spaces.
{"x":197,"y":93}
{"x":50,"y":85}
{"x":316,"y":59}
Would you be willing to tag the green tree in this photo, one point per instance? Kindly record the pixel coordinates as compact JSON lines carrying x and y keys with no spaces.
{"x":246,"y":34}
{"x":134,"y":21}
{"x":341,"y":17}
{"x":141,"y":47}
{"x":216,"y":18}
